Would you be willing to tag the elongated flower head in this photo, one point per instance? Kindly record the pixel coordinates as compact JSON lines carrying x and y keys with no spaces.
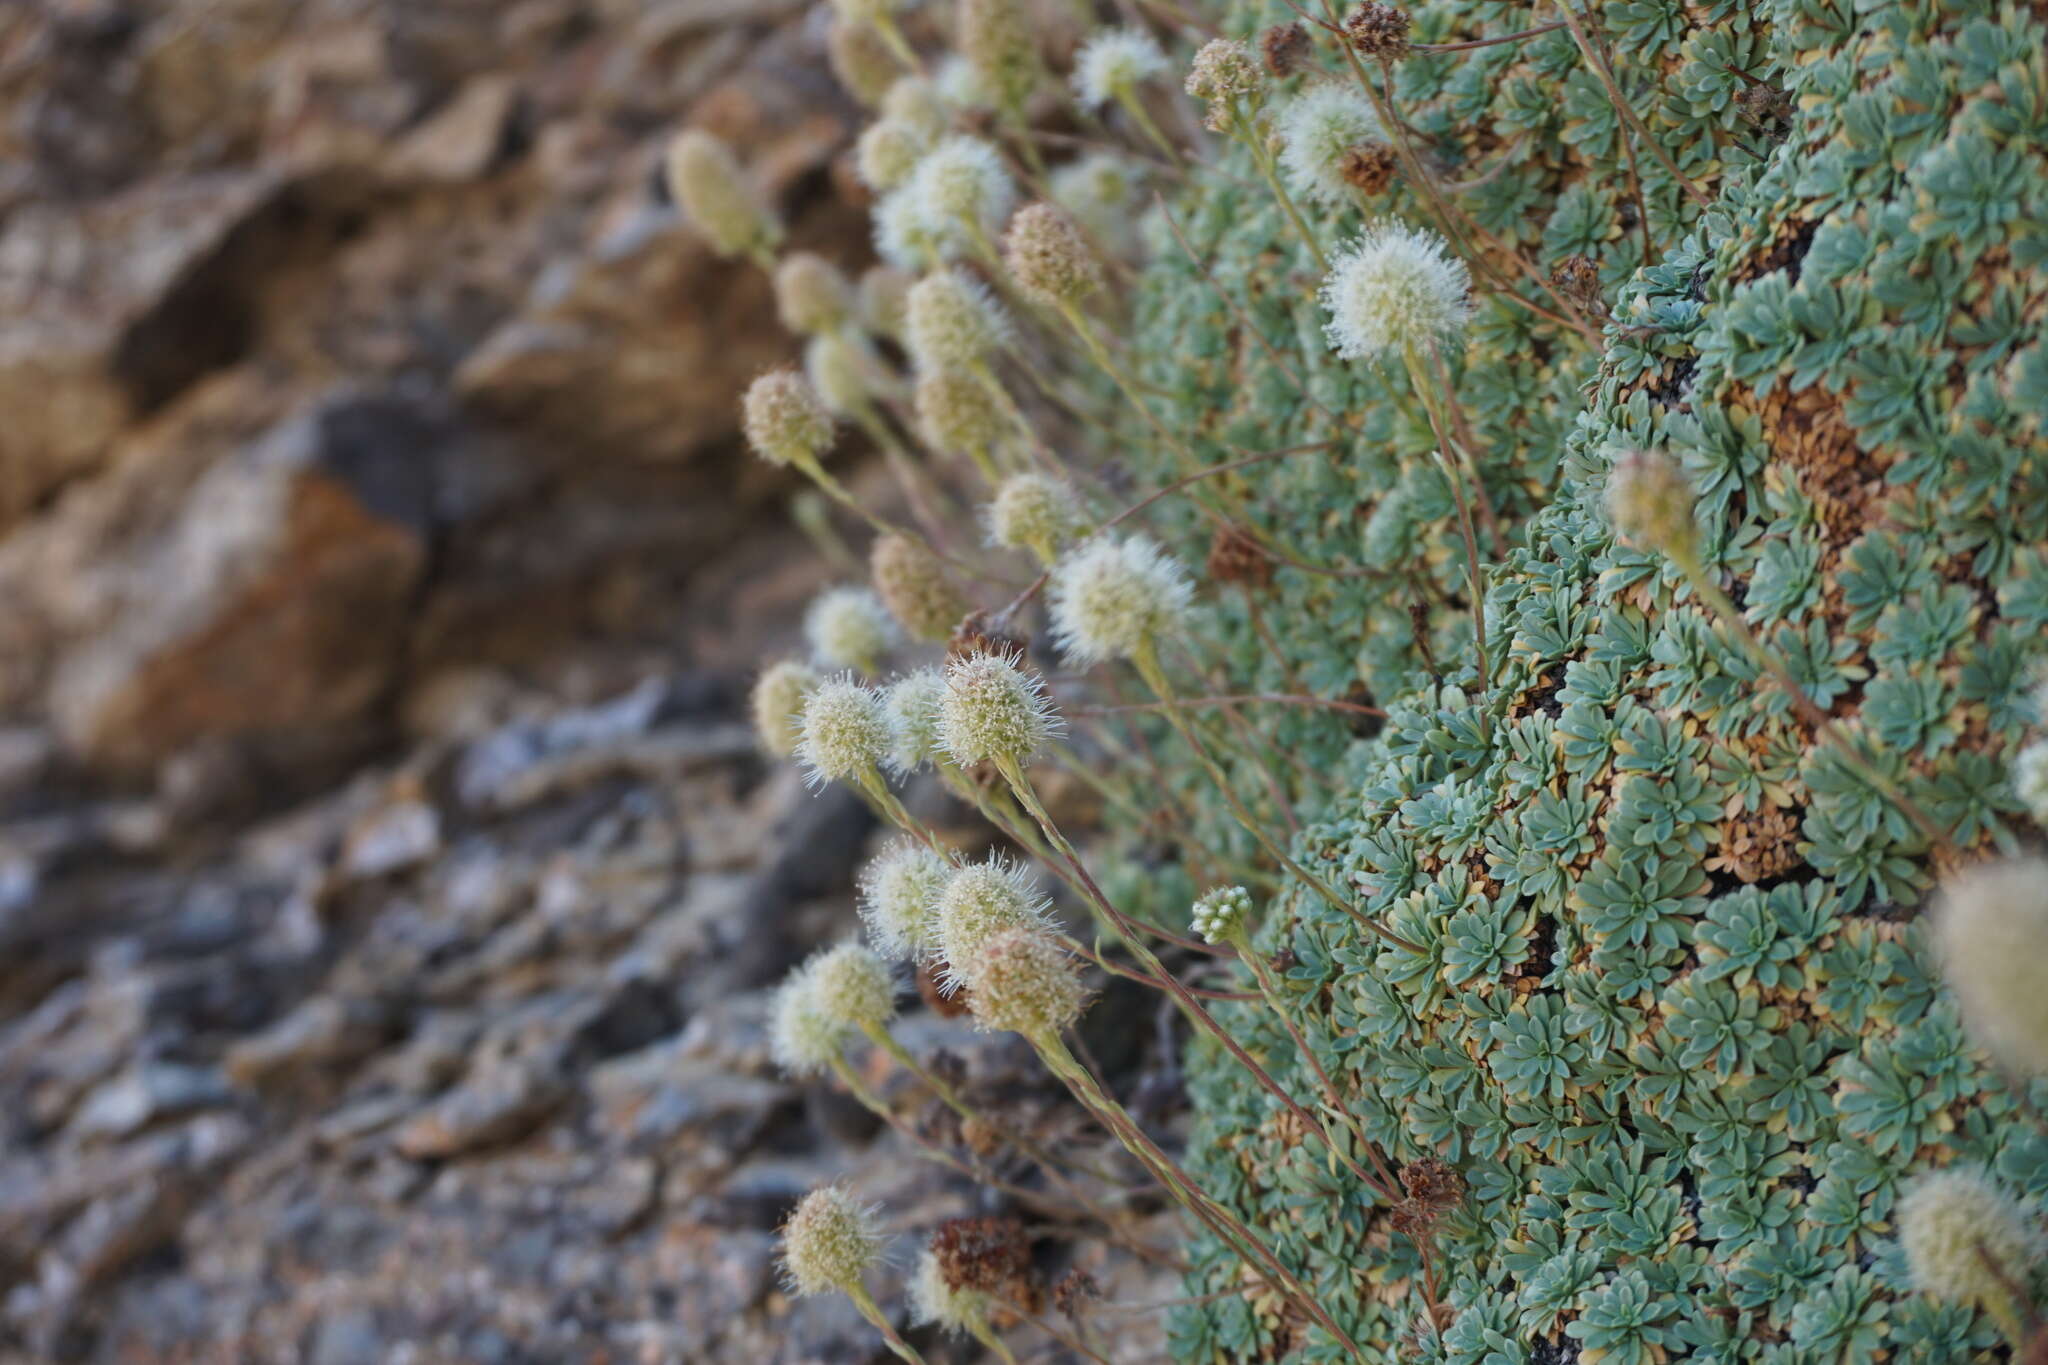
{"x":811,"y":293}
{"x":912,"y":703}
{"x":1392,"y":288}
{"x":1650,"y":501}
{"x":1114,"y":62}
{"x":853,"y":987}
{"x":1112,"y":598}
{"x":1316,"y":128}
{"x":979,"y":902}
{"x":849,"y":627}
{"x":915,"y":101}
{"x":956,"y":413}
{"x":1950,"y":1221}
{"x":912,"y":583}
{"x":1035,"y":512}
{"x":904,"y":233}
{"x":899,"y":895}
{"x":953,"y":321}
{"x":2030,"y":780}
{"x":861,"y":61}
{"x":887,"y":152}
{"x":1991,"y":931}
{"x":884,"y":300}
{"x":995,"y":38}
{"x":964,"y":191}
{"x":934,"y":1302}
{"x":961,"y":86}
{"x":705,"y":180}
{"x":802,"y":1038}
{"x":1223,"y":70}
{"x":839,"y":371}
{"x":1219,"y":913}
{"x":830,"y":1242}
{"x":784,"y":419}
{"x":994,"y":711}
{"x":778,"y":705}
{"x":845,"y":733}
{"x":1027,"y":983}
{"x":1047,"y":256}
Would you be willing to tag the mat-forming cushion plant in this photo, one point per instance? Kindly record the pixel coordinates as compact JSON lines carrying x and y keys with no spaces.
{"x":1533,"y":520}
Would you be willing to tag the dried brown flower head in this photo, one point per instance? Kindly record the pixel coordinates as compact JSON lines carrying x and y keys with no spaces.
{"x":1235,"y":557}
{"x":1368,"y":167}
{"x":989,"y":1255}
{"x":1286,"y":49}
{"x":1578,"y":279}
{"x":1378,"y":30}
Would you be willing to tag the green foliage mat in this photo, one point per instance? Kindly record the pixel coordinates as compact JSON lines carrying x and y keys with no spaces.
{"x":1676,"y":1025}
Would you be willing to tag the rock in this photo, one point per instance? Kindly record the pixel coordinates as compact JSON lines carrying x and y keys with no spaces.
{"x":656,"y":1097}
{"x":271,"y":606}
{"x":145,"y":1094}
{"x":392,"y":839}
{"x":503,"y":1103}
{"x":323,"y":1032}
{"x":461,"y":140}
{"x":107,"y":313}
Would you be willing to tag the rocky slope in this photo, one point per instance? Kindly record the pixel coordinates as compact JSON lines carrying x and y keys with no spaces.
{"x":387,"y":883}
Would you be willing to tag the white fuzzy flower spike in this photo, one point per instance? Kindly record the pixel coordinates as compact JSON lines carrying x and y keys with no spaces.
{"x":993,"y":711}
{"x":1991,"y":932}
{"x":844,"y":734}
{"x":979,"y":902}
{"x":1114,"y":63}
{"x":830,"y":1242}
{"x":849,"y":627}
{"x":1392,"y":288}
{"x":899,"y":893}
{"x":1111,"y":599}
{"x":1317,"y":127}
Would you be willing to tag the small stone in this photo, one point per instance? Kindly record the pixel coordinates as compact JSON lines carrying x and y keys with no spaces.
{"x":505,"y":1103}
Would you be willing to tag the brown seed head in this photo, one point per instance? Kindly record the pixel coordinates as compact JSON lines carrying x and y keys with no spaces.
{"x":1378,"y":30}
{"x":1578,"y":279}
{"x":1235,"y":557}
{"x":1368,"y":167}
{"x":991,"y":1255}
{"x":1287,"y":50}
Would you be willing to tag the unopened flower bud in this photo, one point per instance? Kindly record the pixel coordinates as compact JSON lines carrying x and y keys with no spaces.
{"x":912,"y":583}
{"x":784,"y":420}
{"x":811,"y":295}
{"x":1111,"y":599}
{"x":887,"y":153}
{"x":995,"y":37}
{"x":853,"y":987}
{"x":953,"y":322}
{"x":956,"y":413}
{"x":844,"y":736}
{"x":849,"y":627}
{"x":916,"y":102}
{"x":705,"y":180}
{"x":1027,"y":983}
{"x":993,"y":711}
{"x":884,"y":300}
{"x":1219,"y":914}
{"x":979,"y":902}
{"x":1048,"y":258}
{"x":1114,"y":62}
{"x":1395,"y":288}
{"x":1224,"y":70}
{"x":1965,"y":1238}
{"x":830,"y":1242}
{"x":1650,"y":502}
{"x":840,"y":372}
{"x":964,"y":191}
{"x":778,"y":704}
{"x":899,"y":895}
{"x":861,"y":60}
{"x":1990,"y":925}
{"x":1035,"y":512}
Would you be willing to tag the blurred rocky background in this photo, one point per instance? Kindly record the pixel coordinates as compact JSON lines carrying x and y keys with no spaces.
{"x":388,"y":883}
